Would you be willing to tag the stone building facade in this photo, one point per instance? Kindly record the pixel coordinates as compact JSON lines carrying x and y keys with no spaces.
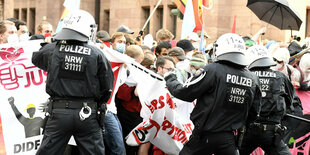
{"x":109,"y":14}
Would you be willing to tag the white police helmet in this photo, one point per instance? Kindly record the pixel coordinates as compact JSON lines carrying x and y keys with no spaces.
{"x":231,"y":47}
{"x":77,"y":25}
{"x":259,"y":56}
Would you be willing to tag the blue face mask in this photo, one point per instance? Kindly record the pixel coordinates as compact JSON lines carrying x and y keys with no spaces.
{"x":120,"y":47}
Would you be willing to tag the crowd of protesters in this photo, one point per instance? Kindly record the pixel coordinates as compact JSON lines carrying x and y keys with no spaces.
{"x":162,"y":55}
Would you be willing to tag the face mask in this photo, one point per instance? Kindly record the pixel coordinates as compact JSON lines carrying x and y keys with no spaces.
{"x":120,"y":47}
{"x":13,"y":38}
{"x":24,"y":37}
{"x":278,"y":66}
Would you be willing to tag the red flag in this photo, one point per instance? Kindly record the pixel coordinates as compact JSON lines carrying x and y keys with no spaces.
{"x":115,"y":67}
{"x":197,"y":6}
{"x":234,"y":26}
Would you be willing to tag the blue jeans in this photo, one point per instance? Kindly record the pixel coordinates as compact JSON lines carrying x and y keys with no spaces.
{"x":114,"y":135}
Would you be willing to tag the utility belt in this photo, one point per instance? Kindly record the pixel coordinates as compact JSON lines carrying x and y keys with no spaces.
{"x":86,"y":106}
{"x":73,"y":104}
{"x":265,"y":127}
{"x":259,"y":129}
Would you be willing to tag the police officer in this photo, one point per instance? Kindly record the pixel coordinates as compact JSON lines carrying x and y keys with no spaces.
{"x":265,"y":130}
{"x":79,"y":81}
{"x":225,"y":91}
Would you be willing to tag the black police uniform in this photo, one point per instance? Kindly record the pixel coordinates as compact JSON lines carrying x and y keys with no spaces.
{"x":289,"y":122}
{"x":225,"y":93}
{"x":265,"y":130}
{"x":77,"y":74}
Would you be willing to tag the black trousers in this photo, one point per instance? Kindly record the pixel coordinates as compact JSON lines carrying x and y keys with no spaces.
{"x":265,"y":140}
{"x":62,"y":124}
{"x":220,"y":143}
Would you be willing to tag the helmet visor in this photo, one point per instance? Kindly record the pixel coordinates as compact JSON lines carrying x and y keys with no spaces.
{"x":68,"y":34}
{"x":234,"y":57}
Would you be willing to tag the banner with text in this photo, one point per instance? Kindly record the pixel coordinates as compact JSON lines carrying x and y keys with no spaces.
{"x":163,"y":125}
{"x":22,"y":90}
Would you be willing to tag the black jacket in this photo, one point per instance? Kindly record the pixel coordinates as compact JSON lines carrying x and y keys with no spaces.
{"x":75,"y":70}
{"x":277,"y":95}
{"x":225,"y":93}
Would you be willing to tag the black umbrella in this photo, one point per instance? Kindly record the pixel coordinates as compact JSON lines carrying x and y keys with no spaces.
{"x":276,"y":12}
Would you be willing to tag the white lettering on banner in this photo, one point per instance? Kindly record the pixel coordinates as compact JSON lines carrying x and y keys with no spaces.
{"x":265,"y":74}
{"x":75,"y":49}
{"x":27,"y":146}
{"x":239,"y":80}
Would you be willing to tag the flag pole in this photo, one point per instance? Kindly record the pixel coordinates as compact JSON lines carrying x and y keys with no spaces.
{"x":148,"y":19}
{"x":298,"y":118}
{"x":201,"y":48}
{"x":147,"y":71}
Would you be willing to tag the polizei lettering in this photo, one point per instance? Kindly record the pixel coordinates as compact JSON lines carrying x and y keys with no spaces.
{"x":75,"y":49}
{"x":239,"y":80}
{"x":265,"y":74}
